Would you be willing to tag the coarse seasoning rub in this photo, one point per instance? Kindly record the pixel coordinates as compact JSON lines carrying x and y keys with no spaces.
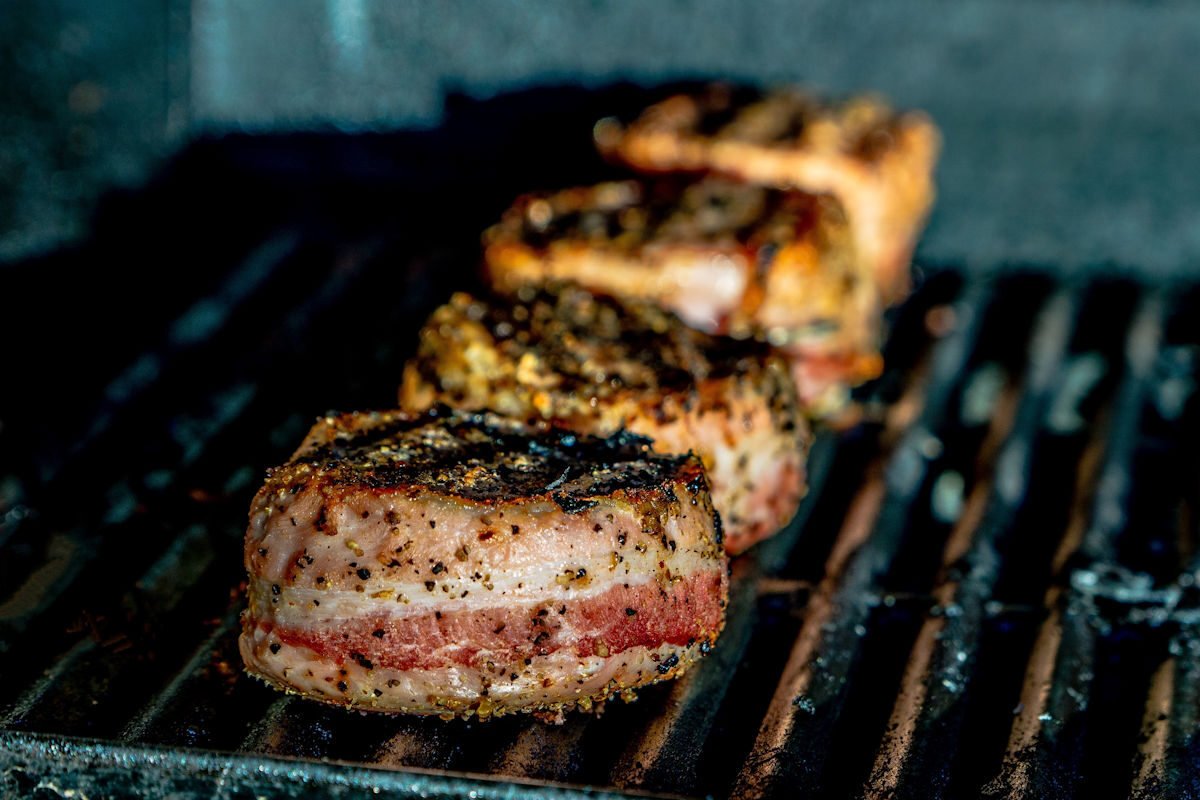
{"x":598,"y":364}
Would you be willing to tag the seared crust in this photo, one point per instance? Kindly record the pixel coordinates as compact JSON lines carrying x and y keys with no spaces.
{"x":598,"y":364}
{"x":879,"y":162}
{"x":460,"y":564}
{"x":479,"y":457}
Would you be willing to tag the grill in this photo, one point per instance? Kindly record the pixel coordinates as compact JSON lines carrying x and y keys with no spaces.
{"x":991,"y":589}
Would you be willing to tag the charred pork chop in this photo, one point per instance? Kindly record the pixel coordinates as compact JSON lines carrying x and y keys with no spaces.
{"x":877,"y":161}
{"x":601,"y":365}
{"x":727,"y":257}
{"x":464,"y":565}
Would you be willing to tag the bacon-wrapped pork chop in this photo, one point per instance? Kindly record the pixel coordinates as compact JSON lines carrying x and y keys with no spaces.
{"x":598,"y":364}
{"x":464,"y":565}
{"x":877,"y":161}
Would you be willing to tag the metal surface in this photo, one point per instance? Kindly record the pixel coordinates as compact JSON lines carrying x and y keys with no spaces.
{"x":991,"y":588}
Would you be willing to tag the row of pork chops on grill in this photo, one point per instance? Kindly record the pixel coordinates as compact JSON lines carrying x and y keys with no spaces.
{"x":545,"y":523}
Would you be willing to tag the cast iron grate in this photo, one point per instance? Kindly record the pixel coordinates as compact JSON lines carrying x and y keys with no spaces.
{"x":991,"y":590}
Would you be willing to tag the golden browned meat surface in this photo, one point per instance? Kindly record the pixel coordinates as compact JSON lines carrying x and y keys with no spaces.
{"x":602,"y":365}
{"x":727,"y":257}
{"x":466,"y":564}
{"x":878,"y":161}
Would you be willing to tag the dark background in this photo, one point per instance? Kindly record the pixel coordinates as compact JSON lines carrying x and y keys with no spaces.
{"x":1072,"y":128}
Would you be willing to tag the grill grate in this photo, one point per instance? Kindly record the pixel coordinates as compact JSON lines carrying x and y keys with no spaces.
{"x":990,"y":590}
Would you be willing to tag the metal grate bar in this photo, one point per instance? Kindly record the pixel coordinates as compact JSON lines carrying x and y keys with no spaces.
{"x":297,"y":728}
{"x":1167,"y":759}
{"x":65,"y":698}
{"x":922,"y":737}
{"x":93,"y":770}
{"x":1046,"y":745}
{"x":809,"y":697}
{"x":782,"y":600}
{"x":92,"y":488}
{"x":1167,"y":763}
{"x":147,"y":725}
{"x":544,"y":752}
{"x":677,"y":735}
{"x":205,"y":319}
{"x":82,"y":651}
{"x":969,"y":696}
{"x":97,"y":565}
{"x":1151,"y":768}
{"x":425,"y":746}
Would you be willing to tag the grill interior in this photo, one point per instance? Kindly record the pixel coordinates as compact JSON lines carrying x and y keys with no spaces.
{"x":989,"y":591}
